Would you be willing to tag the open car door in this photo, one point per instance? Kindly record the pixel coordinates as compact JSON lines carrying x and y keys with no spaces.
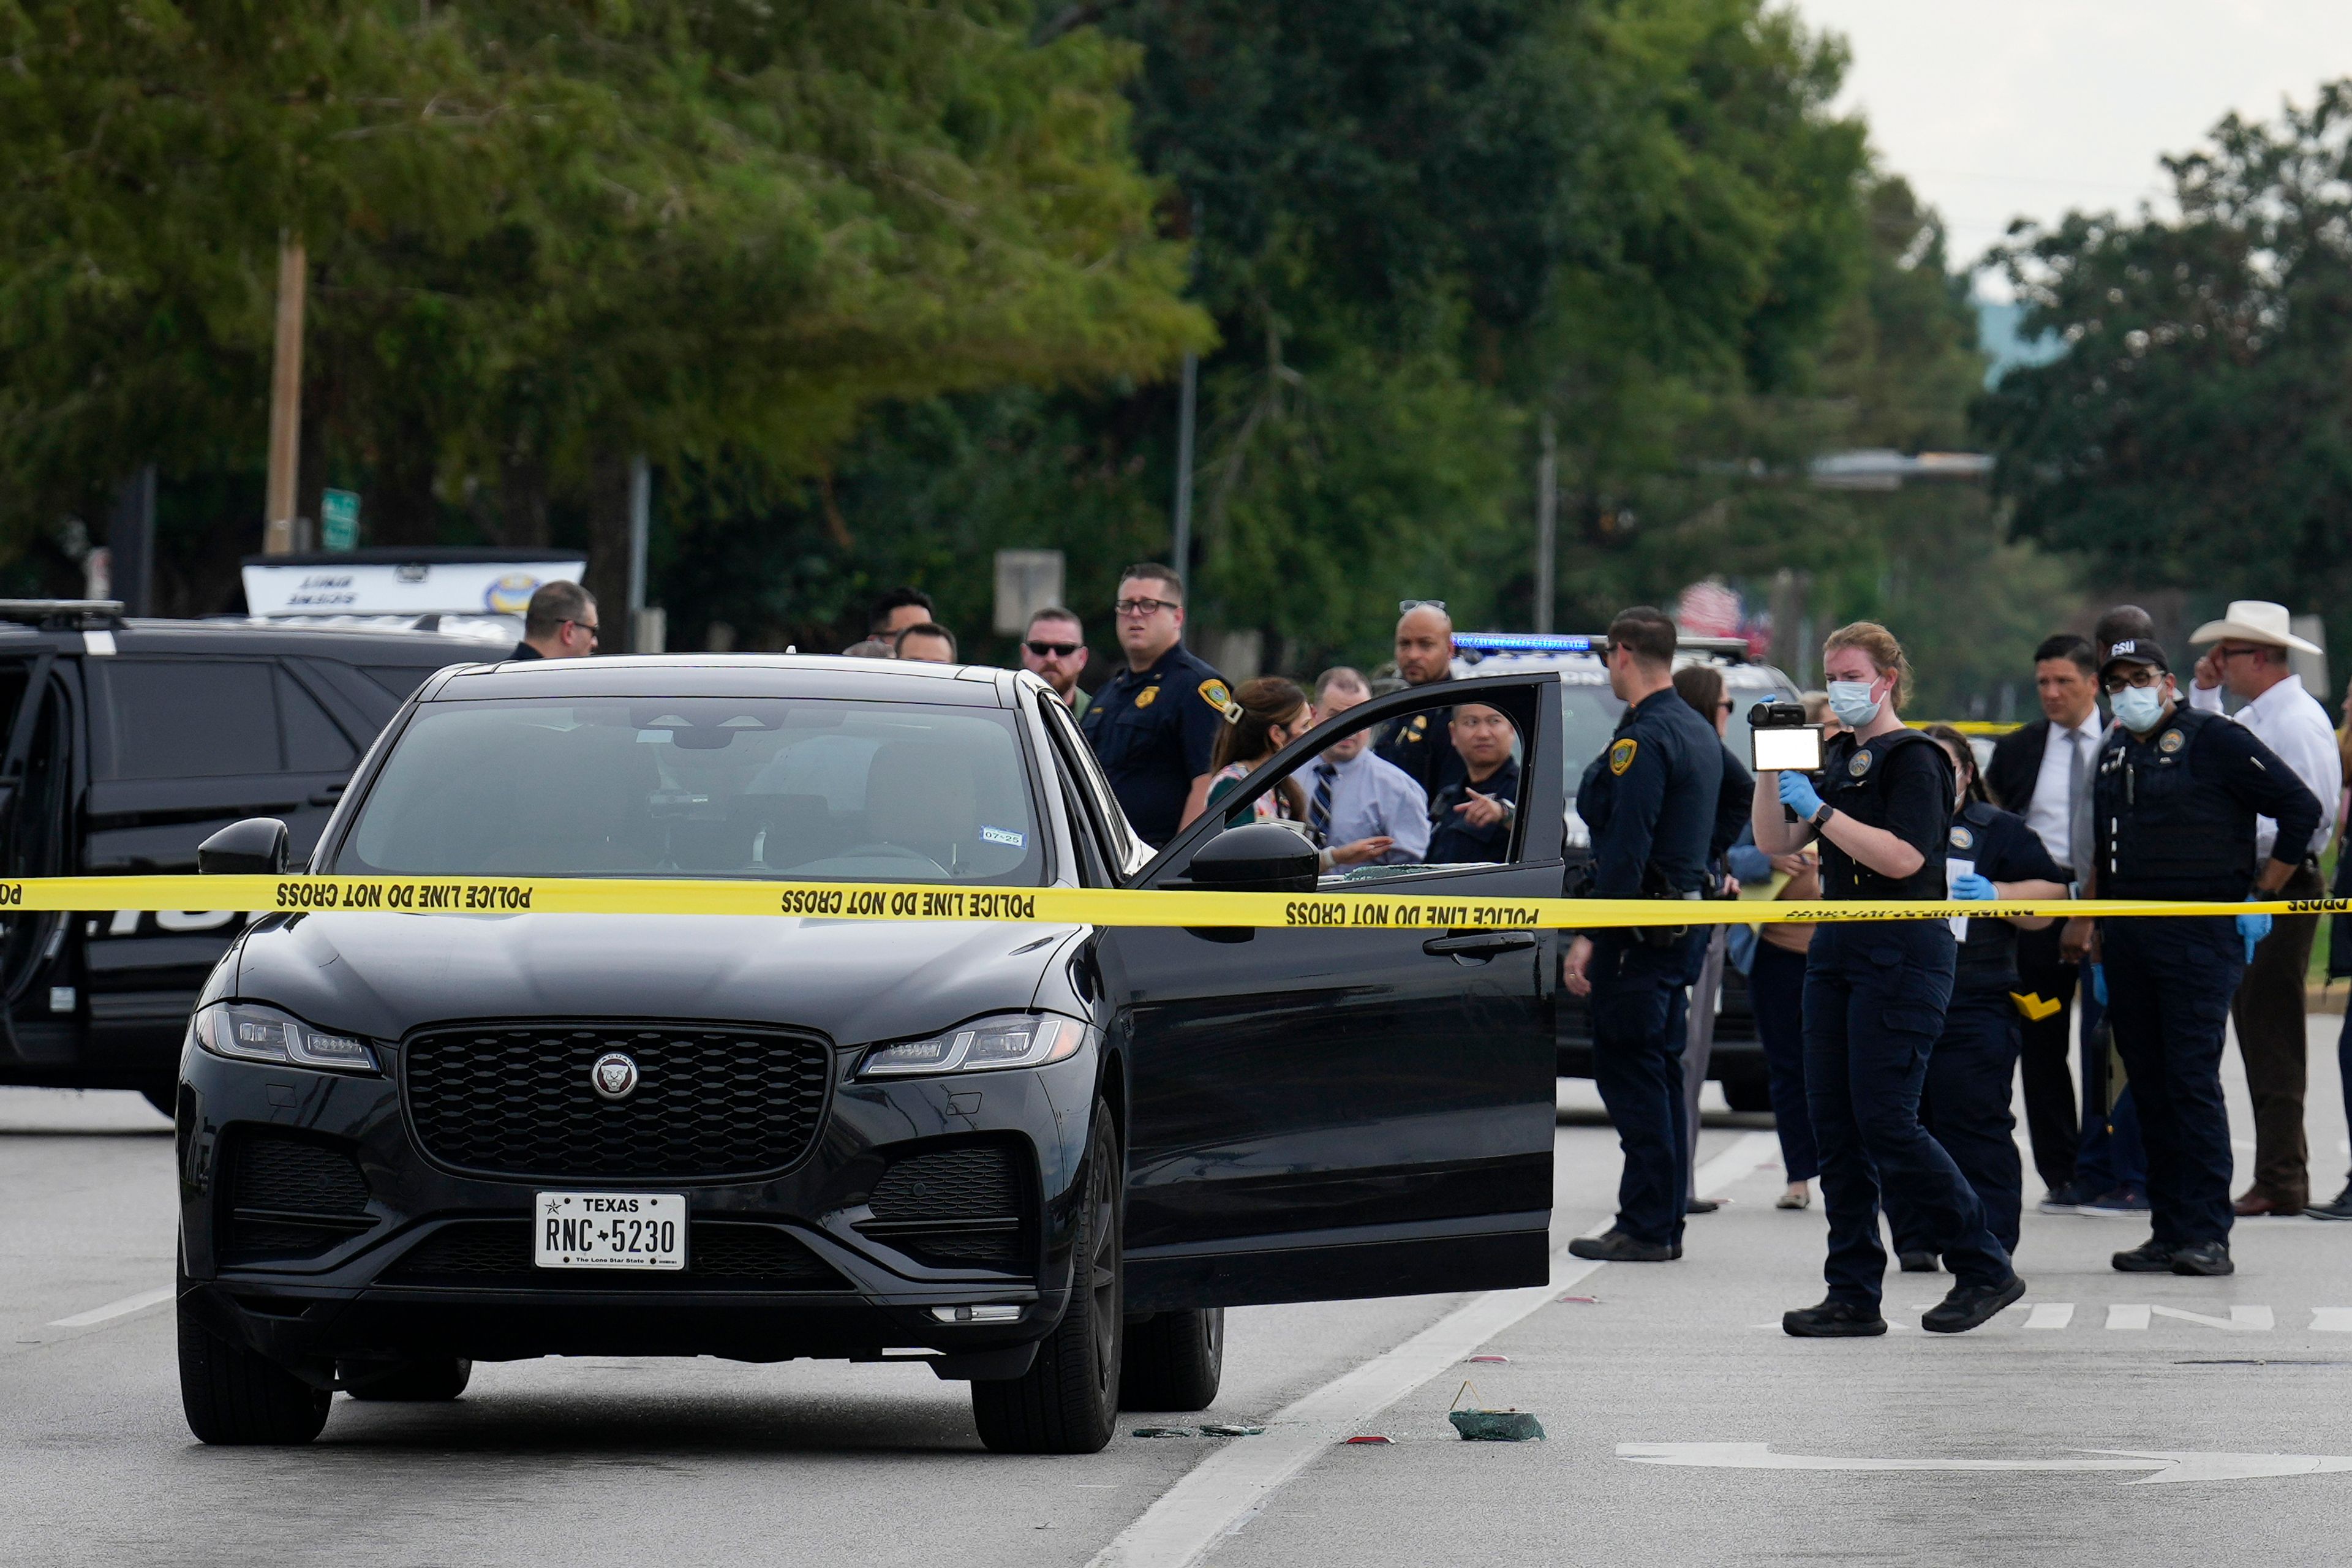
{"x":1322,"y":1114}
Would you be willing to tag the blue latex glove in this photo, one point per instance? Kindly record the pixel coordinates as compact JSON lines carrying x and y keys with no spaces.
{"x":1973,"y":886}
{"x":1797,"y":792}
{"x":2252,"y":929}
{"x":2099,"y":983}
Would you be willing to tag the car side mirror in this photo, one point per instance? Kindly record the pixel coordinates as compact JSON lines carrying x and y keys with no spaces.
{"x":253,"y":848}
{"x":1255,"y":858}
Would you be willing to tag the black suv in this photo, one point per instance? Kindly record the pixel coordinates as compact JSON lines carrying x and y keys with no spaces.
{"x":127,"y":742}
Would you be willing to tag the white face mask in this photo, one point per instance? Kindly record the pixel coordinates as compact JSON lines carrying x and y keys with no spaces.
{"x":1850,"y":701}
{"x":2138,"y":708}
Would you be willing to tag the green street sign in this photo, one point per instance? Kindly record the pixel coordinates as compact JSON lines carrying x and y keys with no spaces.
{"x":338,"y":519}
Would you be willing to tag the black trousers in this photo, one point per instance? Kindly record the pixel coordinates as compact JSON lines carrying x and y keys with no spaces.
{"x":2044,"y":1049}
{"x":2170,"y":982}
{"x":1965,"y":1108}
{"x":1637,"y":1065}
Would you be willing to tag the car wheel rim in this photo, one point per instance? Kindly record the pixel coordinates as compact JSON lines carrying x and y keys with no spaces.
{"x":1104,"y":1263}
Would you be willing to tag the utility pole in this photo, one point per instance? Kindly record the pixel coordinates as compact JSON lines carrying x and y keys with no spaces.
{"x":286,"y":401}
{"x":648,"y":629}
{"x":1182,"y":550}
{"x":1547,"y":522}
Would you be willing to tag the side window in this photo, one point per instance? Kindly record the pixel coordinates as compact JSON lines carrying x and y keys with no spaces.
{"x":315,"y":743}
{"x":1079,"y":765}
{"x":400,"y":679}
{"x":188,"y":718}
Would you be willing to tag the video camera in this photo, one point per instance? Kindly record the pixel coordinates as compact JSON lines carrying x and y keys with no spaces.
{"x":1785,"y":742}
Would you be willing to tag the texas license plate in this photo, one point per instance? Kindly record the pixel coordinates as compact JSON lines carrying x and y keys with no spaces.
{"x":610,"y":1230}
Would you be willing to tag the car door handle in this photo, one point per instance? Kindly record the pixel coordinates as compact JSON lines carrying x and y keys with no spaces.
{"x":1478,"y":945}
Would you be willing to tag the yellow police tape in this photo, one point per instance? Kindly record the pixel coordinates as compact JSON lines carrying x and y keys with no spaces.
{"x":1094,"y":906}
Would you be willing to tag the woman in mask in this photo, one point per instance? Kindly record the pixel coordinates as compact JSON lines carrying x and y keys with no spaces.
{"x":1965,"y":1104}
{"x":1876,"y":990}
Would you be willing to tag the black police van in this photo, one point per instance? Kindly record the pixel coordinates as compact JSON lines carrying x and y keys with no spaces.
{"x":127,"y":742}
{"x":1590,"y":712}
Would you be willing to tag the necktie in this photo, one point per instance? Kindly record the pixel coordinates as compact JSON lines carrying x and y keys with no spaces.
{"x":2079,"y":828}
{"x":1318,"y":813}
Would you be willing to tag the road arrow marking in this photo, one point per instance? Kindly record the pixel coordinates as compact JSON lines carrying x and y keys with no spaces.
{"x":2120,"y":1316}
{"x":2167,"y":1465}
{"x":2051,"y":1315}
{"x":2331,"y":1319}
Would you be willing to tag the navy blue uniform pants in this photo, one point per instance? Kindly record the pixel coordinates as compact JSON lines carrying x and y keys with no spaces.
{"x":2169,"y":987}
{"x":2110,"y":1156}
{"x":1637,"y":1064}
{"x":1965,"y":1106}
{"x":1776,"y":988}
{"x":1874,"y":1000}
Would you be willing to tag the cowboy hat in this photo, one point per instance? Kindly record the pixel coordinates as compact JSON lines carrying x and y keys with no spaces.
{"x":2256,"y":620}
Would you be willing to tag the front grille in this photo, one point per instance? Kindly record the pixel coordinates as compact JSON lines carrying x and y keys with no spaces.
{"x":289,"y":1198}
{"x":962,"y":1206}
{"x":712,"y":1102}
{"x":720,"y":1254}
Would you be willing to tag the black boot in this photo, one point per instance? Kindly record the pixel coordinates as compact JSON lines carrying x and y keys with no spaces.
{"x":2149,"y":1258}
{"x":1616,"y":1247}
{"x":1832,"y":1321}
{"x":2212,"y":1257}
{"x":1971,"y":1306}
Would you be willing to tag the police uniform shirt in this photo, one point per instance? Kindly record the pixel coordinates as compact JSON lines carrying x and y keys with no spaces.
{"x":1422,"y":745}
{"x":1154,"y":734}
{"x":1733,"y":802}
{"x":2174,"y":813}
{"x":2003,"y":849}
{"x":1650,"y":800}
{"x":1453,"y":840}
{"x":1901,"y":781}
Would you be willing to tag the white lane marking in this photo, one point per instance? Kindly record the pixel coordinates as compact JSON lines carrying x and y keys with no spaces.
{"x":2168,"y":1465}
{"x":112,"y":1309}
{"x":2245,"y":1320}
{"x":2331,"y":1319}
{"x":2122,"y":1317}
{"x":1218,"y":1496}
{"x":2050,"y":1315}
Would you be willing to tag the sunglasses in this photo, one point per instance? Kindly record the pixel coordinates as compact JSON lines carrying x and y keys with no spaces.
{"x":1407,"y":606}
{"x":1051,"y":650}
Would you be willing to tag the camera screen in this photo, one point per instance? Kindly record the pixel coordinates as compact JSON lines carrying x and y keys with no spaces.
{"x":1790,"y":751}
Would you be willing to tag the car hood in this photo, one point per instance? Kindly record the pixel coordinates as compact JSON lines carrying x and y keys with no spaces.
{"x":855,"y":981}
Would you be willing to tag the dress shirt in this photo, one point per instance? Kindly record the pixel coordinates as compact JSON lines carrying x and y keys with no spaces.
{"x":2051,"y":811}
{"x":1370,"y":796}
{"x":2289,"y":720}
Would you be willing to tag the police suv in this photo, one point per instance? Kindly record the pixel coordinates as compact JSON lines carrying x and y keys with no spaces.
{"x":1590,"y":712}
{"x":126,"y":743}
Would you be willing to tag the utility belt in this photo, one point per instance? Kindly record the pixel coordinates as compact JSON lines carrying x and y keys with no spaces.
{"x":1654,"y":886}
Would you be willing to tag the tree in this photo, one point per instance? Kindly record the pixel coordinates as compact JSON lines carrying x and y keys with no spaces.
{"x":2197,"y":433}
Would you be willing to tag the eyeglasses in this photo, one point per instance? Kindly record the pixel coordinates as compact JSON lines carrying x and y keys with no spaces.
{"x":2235,"y":652}
{"x":2143,"y":676}
{"x":1146,"y":606}
{"x":1051,"y":650}
{"x":1407,"y":606}
{"x":588,"y":626}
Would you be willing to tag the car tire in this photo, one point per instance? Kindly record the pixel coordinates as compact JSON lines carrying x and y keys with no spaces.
{"x":232,"y":1395}
{"x":1068,"y":1402}
{"x":1174,"y":1361}
{"x":423,"y":1379}
{"x":1747,"y":1094}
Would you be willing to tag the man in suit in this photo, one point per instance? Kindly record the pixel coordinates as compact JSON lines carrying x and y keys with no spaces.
{"x":2040,"y":771}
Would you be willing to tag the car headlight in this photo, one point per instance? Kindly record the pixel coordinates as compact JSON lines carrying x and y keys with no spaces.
{"x":985,"y":1045}
{"x":244,"y":1031}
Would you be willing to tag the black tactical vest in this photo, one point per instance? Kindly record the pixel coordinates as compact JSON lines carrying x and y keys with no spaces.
{"x":1854,"y":785}
{"x":2163,"y":832}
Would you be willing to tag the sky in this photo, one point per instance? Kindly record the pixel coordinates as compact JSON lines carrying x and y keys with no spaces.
{"x":2005,"y":108}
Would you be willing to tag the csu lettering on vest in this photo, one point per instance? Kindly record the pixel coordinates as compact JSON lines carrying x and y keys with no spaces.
{"x":1900,"y":781}
{"x":2174,"y":812}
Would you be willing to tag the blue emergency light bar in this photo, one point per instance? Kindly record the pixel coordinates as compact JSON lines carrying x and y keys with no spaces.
{"x":1526,"y":642}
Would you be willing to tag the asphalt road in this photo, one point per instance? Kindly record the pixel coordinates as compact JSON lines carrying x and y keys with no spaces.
{"x":1912,"y":1448}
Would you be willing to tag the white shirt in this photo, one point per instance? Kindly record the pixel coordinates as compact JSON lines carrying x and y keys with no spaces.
{"x":2051,"y":811}
{"x":1371,"y":797}
{"x":2290,"y":720}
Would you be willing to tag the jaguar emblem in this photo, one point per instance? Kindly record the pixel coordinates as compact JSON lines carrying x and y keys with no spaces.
{"x":615,"y":1077}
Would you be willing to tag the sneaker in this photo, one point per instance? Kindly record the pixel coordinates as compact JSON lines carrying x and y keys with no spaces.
{"x":1799,"y":1195}
{"x":2149,"y":1258}
{"x":2340,"y":1209}
{"x":2068,"y":1199}
{"x":1832,"y":1321}
{"x":2121,"y":1200}
{"x":1917,"y":1262}
{"x":1702,"y":1205}
{"x":1616,"y":1247}
{"x":2207,"y":1257}
{"x":1971,"y":1306}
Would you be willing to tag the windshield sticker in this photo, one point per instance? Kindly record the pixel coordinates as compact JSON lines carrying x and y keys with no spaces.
{"x":1004,"y":835}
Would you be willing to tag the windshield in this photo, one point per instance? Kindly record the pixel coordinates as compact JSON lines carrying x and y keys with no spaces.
{"x":701,"y":786}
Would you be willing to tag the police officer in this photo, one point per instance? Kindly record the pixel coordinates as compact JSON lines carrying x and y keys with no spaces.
{"x":1471,"y":821}
{"x":1154,"y":724}
{"x":1965,"y":1104}
{"x":2175,"y":793}
{"x":1875,"y":997}
{"x":1650,"y":802}
{"x":1423,"y":744}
